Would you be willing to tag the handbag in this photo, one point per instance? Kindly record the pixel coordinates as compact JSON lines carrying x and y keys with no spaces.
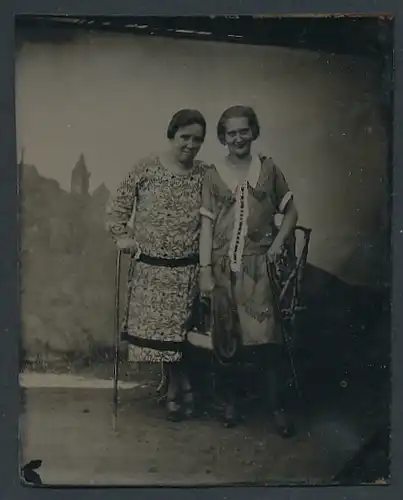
{"x":213,"y":325}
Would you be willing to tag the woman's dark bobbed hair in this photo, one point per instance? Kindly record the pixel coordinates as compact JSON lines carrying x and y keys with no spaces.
{"x":184,"y":118}
{"x":238,"y":112}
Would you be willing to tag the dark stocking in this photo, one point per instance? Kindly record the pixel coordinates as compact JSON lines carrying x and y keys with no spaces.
{"x":228,"y":394}
{"x":174,"y":409}
{"x":273,"y":384}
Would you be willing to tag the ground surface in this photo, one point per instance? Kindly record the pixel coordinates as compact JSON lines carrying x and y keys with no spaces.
{"x":67,"y":423}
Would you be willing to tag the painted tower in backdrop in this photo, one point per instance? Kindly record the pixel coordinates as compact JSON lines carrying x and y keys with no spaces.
{"x":80,"y":178}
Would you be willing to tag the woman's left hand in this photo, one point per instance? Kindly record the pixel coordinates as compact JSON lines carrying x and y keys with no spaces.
{"x":275,"y":252}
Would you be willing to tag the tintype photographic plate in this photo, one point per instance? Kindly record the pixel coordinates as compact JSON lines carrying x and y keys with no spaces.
{"x":206,"y":217}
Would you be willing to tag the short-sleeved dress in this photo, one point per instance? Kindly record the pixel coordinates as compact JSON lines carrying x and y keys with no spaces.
{"x":244,"y":227}
{"x":164,"y":211}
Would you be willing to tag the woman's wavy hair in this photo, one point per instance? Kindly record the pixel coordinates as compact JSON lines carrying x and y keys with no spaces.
{"x":184,"y":118}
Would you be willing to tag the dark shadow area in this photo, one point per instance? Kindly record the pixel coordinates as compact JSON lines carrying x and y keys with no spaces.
{"x":342,"y":357}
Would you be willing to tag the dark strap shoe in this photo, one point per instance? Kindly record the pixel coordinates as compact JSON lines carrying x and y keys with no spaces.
{"x":189,"y":404}
{"x":174,"y":411}
{"x":230,"y":417}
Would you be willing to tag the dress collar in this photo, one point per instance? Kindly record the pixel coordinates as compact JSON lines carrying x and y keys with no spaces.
{"x":251,"y":178}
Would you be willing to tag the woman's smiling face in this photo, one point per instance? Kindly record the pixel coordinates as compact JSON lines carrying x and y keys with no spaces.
{"x":238,"y":136}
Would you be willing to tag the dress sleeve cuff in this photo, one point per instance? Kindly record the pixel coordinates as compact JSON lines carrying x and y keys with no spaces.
{"x":284,"y":202}
{"x":207,"y":213}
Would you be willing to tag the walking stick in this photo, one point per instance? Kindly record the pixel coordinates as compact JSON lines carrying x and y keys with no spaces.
{"x":121,"y":330}
{"x":117,"y":340}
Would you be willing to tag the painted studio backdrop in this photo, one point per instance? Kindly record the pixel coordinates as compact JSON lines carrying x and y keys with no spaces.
{"x":89,"y":108}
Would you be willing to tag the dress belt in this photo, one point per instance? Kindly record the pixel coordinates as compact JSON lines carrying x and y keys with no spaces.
{"x":191,"y":260}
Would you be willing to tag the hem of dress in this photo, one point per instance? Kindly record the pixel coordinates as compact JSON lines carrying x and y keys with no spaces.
{"x":261,"y":344}
{"x":158,"y":345}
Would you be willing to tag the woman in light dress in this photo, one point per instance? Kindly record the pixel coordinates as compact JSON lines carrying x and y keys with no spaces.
{"x":239,"y":239}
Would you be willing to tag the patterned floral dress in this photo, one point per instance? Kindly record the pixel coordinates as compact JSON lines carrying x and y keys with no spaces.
{"x":164,"y":211}
{"x":244,"y":227}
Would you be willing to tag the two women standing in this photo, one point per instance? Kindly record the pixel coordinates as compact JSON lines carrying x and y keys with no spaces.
{"x":205,"y":225}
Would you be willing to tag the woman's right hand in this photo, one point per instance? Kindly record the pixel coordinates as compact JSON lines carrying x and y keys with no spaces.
{"x":206,"y":280}
{"x":127,"y":245}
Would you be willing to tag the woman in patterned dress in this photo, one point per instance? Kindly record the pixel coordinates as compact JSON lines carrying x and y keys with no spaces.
{"x":161,"y":198}
{"x":240,"y":199}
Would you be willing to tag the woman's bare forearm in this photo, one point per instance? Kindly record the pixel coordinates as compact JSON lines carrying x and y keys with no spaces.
{"x":206,"y":242}
{"x":288,"y":223}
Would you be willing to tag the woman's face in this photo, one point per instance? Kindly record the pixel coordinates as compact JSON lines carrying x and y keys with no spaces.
{"x":187,"y":142}
{"x":238,"y":136}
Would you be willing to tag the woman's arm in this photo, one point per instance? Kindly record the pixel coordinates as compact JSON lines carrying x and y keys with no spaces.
{"x":206,"y":242}
{"x":119,"y":212}
{"x":288,"y":223}
{"x":285,"y":205}
{"x":206,"y":282}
